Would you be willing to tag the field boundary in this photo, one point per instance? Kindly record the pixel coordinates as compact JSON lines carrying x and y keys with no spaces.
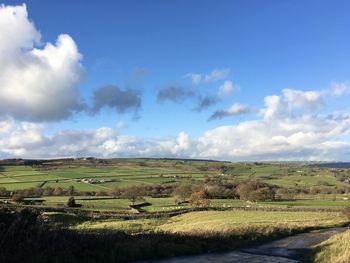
{"x":162,"y":214}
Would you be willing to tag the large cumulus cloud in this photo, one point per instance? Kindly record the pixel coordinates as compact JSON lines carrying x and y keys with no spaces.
{"x":36,"y":84}
{"x":29,"y":140}
{"x":275,"y":134}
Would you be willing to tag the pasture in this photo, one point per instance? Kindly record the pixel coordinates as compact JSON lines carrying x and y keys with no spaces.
{"x":220,"y":222}
{"x":131,"y":172}
{"x":106,"y":209}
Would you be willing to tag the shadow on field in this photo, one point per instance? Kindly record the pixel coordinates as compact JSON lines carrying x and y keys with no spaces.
{"x":25,"y":238}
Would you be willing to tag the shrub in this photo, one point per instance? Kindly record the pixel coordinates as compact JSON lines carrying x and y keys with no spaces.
{"x":17,"y":198}
{"x":71,"y":202}
{"x":198,"y":199}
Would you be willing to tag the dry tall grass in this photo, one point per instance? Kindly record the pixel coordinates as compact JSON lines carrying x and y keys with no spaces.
{"x":334,"y":250}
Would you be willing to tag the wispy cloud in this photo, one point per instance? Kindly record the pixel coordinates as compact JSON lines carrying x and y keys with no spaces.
{"x":174,"y":93}
{"x":214,"y":75}
{"x":235,"y":109}
{"x":206,"y":102}
{"x":338,"y":89}
{"x":115,"y":98}
{"x":227,"y":88}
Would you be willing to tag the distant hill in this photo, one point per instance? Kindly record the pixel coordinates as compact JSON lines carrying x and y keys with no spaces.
{"x":333,"y":165}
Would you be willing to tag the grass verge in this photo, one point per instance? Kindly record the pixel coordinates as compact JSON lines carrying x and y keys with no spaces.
{"x":335,"y":250}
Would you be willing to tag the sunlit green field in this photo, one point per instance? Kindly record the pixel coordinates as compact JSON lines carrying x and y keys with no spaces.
{"x":106,"y":203}
{"x":167,"y":204}
{"x":312,"y":203}
{"x":148,"y":172}
{"x":221,"y":221}
{"x":21,"y":177}
{"x":226,"y":220}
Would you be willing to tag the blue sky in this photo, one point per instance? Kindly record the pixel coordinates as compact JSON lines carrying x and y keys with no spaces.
{"x":142,"y":49}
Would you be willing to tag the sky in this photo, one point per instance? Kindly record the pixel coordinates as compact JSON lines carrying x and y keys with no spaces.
{"x":224,"y":80}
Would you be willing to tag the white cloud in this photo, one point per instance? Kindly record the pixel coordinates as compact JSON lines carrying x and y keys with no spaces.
{"x":36,"y":84}
{"x":302,"y":137}
{"x":214,"y":75}
{"x":338,"y":89}
{"x":278,"y":134}
{"x":20,"y":139}
{"x":310,"y":100}
{"x":273,"y":106}
{"x":28,"y":140}
{"x":17,"y":32}
{"x":227,"y":88}
{"x":291,"y":102}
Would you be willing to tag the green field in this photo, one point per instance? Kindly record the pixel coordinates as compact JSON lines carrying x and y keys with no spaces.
{"x":148,"y":172}
{"x":206,"y":222}
{"x":21,"y":177}
{"x":104,"y":206}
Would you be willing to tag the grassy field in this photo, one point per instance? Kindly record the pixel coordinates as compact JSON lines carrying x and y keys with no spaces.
{"x":21,"y":177}
{"x":107,"y":203}
{"x":310,"y":203}
{"x":335,"y":249}
{"x":222,"y":226}
{"x":226,"y":221}
{"x":221,"y":222}
{"x":142,"y":239}
{"x":136,"y":172}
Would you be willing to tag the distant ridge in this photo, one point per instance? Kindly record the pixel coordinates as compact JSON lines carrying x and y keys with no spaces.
{"x":333,"y":165}
{"x":171,"y":159}
{"x":17,"y":161}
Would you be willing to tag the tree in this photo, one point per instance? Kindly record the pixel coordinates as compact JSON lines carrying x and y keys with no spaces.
{"x":183,"y":192}
{"x":48,"y":191}
{"x":133,"y":194}
{"x":286,"y":194}
{"x":244,"y":190}
{"x":255,"y":191}
{"x":58,"y":191}
{"x":71,"y":190}
{"x":199,"y":199}
{"x":115,"y":191}
{"x":261,"y":194}
{"x":71,"y":202}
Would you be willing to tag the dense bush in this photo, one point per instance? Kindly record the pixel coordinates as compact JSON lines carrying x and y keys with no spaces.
{"x":252,"y":190}
{"x":71,"y":202}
